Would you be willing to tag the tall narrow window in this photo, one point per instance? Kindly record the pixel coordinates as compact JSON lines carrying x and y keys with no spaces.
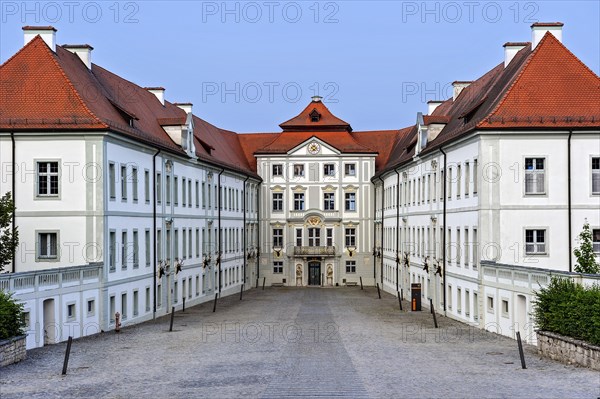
{"x":298,"y":201}
{"x":329,"y":236}
{"x":197,"y":194}
{"x":596,"y":240}
{"x":183,"y":192}
{"x":184,"y":243}
{"x":134,"y":183}
{"x":147,"y":247}
{"x":189,"y":243}
{"x":298,"y":237}
{"x":449,"y":183}
{"x":136,"y":249}
{"x":124,"y":244}
{"x":596,"y":175}
{"x":277,"y":202}
{"x":176,"y":190}
{"x":158,"y":188}
{"x":329,"y":201}
{"x":458,"y":181}
{"x":474,"y":248}
{"x":278,"y":237}
{"x":466,"y":252}
{"x":190,"y":193}
{"x":351,"y":201}
{"x":467,"y":179}
{"x":475,"y":172}
{"x":124,"y":182}
{"x":147,"y":186}
{"x":112,"y":248}
{"x":111,"y":181}
{"x":350,"y":238}
{"x":534,"y":175}
{"x":458,"y":248}
{"x":176,"y":243}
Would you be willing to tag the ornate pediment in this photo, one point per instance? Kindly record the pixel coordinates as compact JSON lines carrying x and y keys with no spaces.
{"x":350,"y":188}
{"x":328,"y":188}
{"x":278,"y":188}
{"x":299,"y":188}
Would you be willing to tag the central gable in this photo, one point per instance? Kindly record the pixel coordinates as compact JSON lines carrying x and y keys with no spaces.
{"x":313,"y":147}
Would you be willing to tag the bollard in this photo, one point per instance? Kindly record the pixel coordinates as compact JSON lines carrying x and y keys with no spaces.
{"x":521,"y":350}
{"x":433,"y":313}
{"x":361,"y":287}
{"x":264,"y":280}
{"x":183,"y":310}
{"x":399,"y":300}
{"x":215,"y":303}
{"x":241,"y":292}
{"x":172,"y":317}
{"x":378,"y":292}
{"x":67,"y":354}
{"x":117,"y":322}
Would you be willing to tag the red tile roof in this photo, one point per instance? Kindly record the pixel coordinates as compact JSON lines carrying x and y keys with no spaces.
{"x":327,"y":121}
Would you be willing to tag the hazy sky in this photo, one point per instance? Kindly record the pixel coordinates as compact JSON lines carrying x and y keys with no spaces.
{"x":248,"y":66}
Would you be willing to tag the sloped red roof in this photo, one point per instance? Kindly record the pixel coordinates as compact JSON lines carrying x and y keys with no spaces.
{"x":37,"y":94}
{"x":252,"y":142}
{"x":554,"y":89}
{"x":383,"y":141}
{"x":342,"y":141}
{"x":327,"y":121}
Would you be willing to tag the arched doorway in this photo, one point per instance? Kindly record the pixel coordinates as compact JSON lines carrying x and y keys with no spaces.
{"x":49,"y":322}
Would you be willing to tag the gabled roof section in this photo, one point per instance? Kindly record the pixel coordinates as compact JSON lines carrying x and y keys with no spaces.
{"x":306,"y":121}
{"x":554,"y":89}
{"x":38,"y":94}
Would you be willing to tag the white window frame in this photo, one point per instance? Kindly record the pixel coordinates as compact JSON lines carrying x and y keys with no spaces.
{"x":48,"y":177}
{"x":595,"y":173}
{"x":277,"y":170}
{"x":350,"y":169}
{"x":47,"y":257}
{"x":536,"y":175}
{"x":298,"y":170}
{"x":299,"y":204}
{"x":329,"y":169}
{"x":536,"y":250}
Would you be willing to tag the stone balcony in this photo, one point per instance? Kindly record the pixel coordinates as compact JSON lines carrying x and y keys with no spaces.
{"x":314,"y":251}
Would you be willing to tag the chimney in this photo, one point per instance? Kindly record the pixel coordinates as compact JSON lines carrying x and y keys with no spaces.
{"x":539,"y":29}
{"x":459,"y":86}
{"x":83,"y":51}
{"x":187,"y":107}
{"x":159,"y":92}
{"x":48,"y":34}
{"x":432,"y":105}
{"x":511,"y":49}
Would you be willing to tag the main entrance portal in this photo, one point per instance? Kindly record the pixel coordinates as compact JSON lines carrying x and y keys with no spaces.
{"x":314,"y":273}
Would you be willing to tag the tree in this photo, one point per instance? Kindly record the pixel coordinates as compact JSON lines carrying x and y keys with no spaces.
{"x":9,"y":238}
{"x":586,"y":258}
{"x":12,"y":320}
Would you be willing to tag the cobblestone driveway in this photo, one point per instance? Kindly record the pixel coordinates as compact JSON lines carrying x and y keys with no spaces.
{"x":285,"y":342}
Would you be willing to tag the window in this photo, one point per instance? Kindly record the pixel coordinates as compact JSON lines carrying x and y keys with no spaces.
{"x":71,"y":311}
{"x":158,"y":188}
{"x":183,"y":193}
{"x":124,"y":182}
{"x":112,"y":248}
{"x":475,"y":307}
{"x":467,"y":179}
{"x":596,"y":240}
{"x":124,"y":306}
{"x":299,"y":201}
{"x":504,"y":307}
{"x":277,"y":202}
{"x":474,"y":249}
{"x":48,"y":245}
{"x":314,"y":237}
{"x":135,"y":303}
{"x":459,"y":300}
{"x":175,"y":243}
{"x":534,"y":176}
{"x":458,"y":181}
{"x":189,"y":243}
{"x":124,"y":250}
{"x":197,"y":192}
{"x":198,"y":242}
{"x":278,"y":267}
{"x":350,"y":266}
{"x":596,"y":175}
{"x":91,"y":307}
{"x":351,"y":201}
{"x":111,"y":180}
{"x":329,"y":201}
{"x":147,"y":186}
{"x":475,"y":176}
{"x":298,"y":237}
{"x":184,"y":243}
{"x":112,"y":309}
{"x":175,"y":190}
{"x":535,"y":242}
{"x":47,"y":179}
{"x":298,"y":170}
{"x":350,"y":169}
{"x":278,"y":237}
{"x":147,"y":244}
{"x":350,"y":237}
{"x":278,"y":170}
{"x":449,"y":184}
{"x":329,"y":237}
{"x":329,"y":169}
{"x":147,"y":299}
{"x":134,"y":182}
{"x":190,"y":192}
{"x":136,"y":256}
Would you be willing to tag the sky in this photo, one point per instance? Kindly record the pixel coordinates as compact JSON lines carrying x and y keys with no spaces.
{"x":249,"y":66}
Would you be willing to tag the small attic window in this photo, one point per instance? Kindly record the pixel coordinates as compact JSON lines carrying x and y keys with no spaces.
{"x":315,"y":116}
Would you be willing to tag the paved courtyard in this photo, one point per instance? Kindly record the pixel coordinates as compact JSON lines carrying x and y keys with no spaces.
{"x":285,"y":342}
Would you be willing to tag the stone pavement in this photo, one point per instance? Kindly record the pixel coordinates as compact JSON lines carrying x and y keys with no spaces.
{"x":296,"y":342}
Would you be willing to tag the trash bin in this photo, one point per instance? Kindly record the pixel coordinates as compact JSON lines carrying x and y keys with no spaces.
{"x":415,"y":294}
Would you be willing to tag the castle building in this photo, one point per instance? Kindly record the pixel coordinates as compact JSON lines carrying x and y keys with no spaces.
{"x":130,"y":204}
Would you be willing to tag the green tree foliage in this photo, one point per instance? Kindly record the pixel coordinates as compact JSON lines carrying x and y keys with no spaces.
{"x":569,"y":309}
{"x":9,"y":239}
{"x":12,"y":321}
{"x":586,"y":258}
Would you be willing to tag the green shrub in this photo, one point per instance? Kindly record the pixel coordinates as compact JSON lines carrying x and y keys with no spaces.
{"x":12,"y":321}
{"x":569,"y":309}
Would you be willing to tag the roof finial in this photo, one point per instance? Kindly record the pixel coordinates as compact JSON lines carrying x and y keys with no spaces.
{"x":316,"y":99}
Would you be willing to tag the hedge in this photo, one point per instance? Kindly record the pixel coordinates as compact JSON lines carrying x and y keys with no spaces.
{"x":12,"y":321}
{"x":567,"y":308}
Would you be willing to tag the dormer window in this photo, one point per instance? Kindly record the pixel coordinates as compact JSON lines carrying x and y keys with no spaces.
{"x":315,"y":116}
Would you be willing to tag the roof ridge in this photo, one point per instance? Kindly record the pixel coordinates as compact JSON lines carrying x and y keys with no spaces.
{"x":62,"y":72}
